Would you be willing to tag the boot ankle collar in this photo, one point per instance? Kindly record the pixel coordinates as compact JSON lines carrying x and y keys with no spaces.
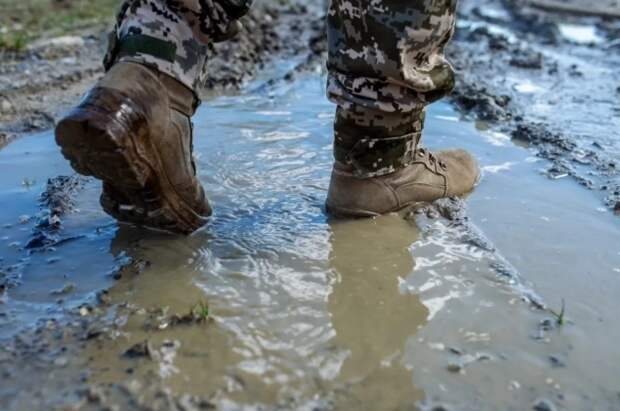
{"x":181,"y":97}
{"x":374,"y":157}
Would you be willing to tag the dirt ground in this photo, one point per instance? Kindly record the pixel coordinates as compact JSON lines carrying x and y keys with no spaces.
{"x":65,"y":66}
{"x":567,"y":78}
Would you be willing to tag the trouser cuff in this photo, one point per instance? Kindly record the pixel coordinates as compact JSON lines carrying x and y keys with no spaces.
{"x":170,"y":47}
{"x":374,"y":143}
{"x":379,"y":156}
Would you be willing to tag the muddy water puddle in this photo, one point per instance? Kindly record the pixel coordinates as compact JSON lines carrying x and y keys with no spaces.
{"x":310,"y":313}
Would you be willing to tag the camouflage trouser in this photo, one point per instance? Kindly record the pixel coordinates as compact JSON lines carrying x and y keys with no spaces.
{"x":385,"y":64}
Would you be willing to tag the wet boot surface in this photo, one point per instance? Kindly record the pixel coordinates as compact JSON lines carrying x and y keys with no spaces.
{"x":133,"y":131}
{"x":429,"y":177}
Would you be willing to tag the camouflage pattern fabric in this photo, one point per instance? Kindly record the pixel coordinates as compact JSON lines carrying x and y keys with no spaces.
{"x":172,"y":35}
{"x":386,"y":64}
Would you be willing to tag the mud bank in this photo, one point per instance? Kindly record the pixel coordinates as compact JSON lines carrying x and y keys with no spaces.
{"x":548,"y":80}
{"x":44,"y":80}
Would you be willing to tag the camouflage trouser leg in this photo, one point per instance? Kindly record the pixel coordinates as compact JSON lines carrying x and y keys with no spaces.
{"x":172,"y":35}
{"x":385,"y":65}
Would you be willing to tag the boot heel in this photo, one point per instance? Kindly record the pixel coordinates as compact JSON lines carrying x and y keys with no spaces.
{"x":101,"y":138}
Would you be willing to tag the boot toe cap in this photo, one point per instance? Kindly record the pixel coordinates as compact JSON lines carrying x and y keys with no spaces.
{"x":463,"y":171}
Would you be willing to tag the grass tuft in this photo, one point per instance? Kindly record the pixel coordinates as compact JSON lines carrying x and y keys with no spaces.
{"x":201,"y":312}
{"x":560,"y":317}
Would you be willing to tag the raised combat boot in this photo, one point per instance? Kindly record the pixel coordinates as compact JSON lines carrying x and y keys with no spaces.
{"x":133,"y":131}
{"x":374,"y":176}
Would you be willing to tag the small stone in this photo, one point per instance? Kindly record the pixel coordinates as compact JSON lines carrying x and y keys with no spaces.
{"x":140,"y":350}
{"x":556,"y":361}
{"x":547,"y":324}
{"x":93,"y":333}
{"x":132,"y":387}
{"x":66,"y":289}
{"x":543,"y":405}
{"x":95,"y":395}
{"x":61,"y":362}
{"x":455,"y":367}
{"x":5,"y":106}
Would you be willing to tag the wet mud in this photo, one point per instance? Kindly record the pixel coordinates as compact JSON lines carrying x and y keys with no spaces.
{"x":504,"y":300}
{"x":559,"y":89}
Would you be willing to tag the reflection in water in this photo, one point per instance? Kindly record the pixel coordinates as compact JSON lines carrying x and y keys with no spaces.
{"x":372,"y":318}
{"x":348,"y":351}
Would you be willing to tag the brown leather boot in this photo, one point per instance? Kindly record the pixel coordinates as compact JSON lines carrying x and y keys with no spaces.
{"x":427,"y":178}
{"x":133,"y":131}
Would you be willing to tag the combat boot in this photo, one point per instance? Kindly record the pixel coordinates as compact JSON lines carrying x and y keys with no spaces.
{"x":381,"y":168}
{"x":428,"y":177}
{"x":133,"y":131}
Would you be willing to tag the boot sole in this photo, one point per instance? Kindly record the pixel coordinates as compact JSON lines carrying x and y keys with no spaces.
{"x":340,"y":212}
{"x":98,"y":143}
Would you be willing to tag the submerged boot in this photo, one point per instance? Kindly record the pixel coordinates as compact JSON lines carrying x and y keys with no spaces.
{"x":377,"y":175}
{"x":428,"y":178}
{"x":133,"y":131}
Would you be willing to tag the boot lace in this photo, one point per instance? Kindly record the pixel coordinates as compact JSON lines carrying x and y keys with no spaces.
{"x":432,"y":159}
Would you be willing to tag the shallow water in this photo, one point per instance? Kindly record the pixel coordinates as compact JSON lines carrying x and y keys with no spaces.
{"x":373,"y":314}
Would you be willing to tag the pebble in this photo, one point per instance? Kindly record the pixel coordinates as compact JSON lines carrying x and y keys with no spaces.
{"x":95,"y":395}
{"x":557,"y":361}
{"x":104,"y":298}
{"x":66,"y":289}
{"x":132,"y":387}
{"x":5,"y":106}
{"x":544,"y":405}
{"x":142,"y":349}
{"x":455,"y":367}
{"x":61,"y":362}
{"x":547,"y":324}
{"x":455,"y":350}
